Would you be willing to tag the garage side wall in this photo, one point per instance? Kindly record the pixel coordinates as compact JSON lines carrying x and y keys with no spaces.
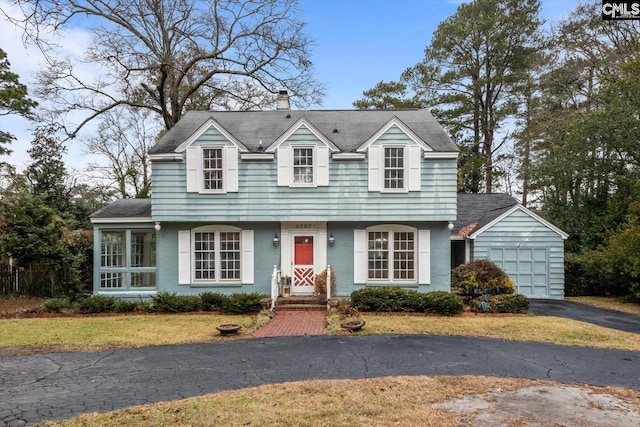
{"x":531,"y":254}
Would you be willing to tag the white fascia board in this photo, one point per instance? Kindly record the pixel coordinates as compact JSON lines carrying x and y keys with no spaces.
{"x":404,"y":128}
{"x":257,"y":156}
{"x":348,"y":156}
{"x":123,"y":220}
{"x":302,"y":121}
{"x":452,"y":155}
{"x":211,"y":122}
{"x":538,"y":218}
{"x":165,"y":157}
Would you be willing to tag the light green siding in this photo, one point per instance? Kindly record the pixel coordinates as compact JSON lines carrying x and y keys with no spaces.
{"x":345,"y":199}
{"x":519,"y":233}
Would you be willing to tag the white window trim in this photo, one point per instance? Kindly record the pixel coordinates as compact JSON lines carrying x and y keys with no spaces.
{"x":314,"y":166}
{"x":405,"y":166}
{"x":127,"y":269}
{"x":320,"y":165}
{"x":217,"y":268}
{"x":201,"y":150}
{"x":195,"y":170}
{"x":186,"y":258}
{"x":391,"y":229}
{"x":412,"y":168}
{"x":422,"y":256}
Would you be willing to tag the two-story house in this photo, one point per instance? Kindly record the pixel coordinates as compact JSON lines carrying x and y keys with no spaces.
{"x":370,"y":193}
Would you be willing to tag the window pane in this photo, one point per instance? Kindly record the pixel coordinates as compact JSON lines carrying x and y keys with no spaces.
{"x":394,"y":168}
{"x":229,"y":255}
{"x":378,"y":255}
{"x":204,"y":254}
{"x":139,"y":280}
{"x":143,"y":248}
{"x":403,"y":255}
{"x":303,"y":165}
{"x":111,"y":280}
{"x":112,"y":249}
{"x":212,"y":168}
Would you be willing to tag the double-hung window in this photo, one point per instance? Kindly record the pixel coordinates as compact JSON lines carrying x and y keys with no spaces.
{"x":127,"y":259}
{"x":303,"y":173}
{"x":392,"y":255}
{"x":212,"y":170}
{"x":217,"y":255}
{"x":305,"y":166}
{"x":394,"y":168}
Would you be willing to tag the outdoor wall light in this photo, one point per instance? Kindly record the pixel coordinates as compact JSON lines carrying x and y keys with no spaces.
{"x":276,"y":240}
{"x":157,"y":226}
{"x":332,"y":241}
{"x":450,"y":226}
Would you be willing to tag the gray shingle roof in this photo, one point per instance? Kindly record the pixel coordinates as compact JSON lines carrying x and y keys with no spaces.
{"x":353,"y":127}
{"x":125,"y":208}
{"x":477,"y":210}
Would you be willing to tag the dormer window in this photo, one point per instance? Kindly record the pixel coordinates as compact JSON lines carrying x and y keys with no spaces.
{"x":212,"y":169}
{"x":394,"y":168}
{"x":303,"y":166}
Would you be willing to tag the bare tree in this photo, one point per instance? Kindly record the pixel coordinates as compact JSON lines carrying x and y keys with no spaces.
{"x":123,"y":139}
{"x":170,"y":56}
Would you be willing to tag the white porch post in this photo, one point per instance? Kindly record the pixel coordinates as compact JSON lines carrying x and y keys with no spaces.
{"x":275,"y":286}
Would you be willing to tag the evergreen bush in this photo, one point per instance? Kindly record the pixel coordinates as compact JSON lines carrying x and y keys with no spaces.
{"x":212,"y":301}
{"x":481,"y":277}
{"x":95,"y":304}
{"x":56,"y":305}
{"x":243,"y":302}
{"x":170,"y":302}
{"x":505,"y":303}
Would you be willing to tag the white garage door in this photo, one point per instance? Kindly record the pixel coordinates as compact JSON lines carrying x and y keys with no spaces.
{"x":528,"y":267}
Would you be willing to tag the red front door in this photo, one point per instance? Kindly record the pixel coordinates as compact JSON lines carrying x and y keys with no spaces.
{"x":303,"y":266}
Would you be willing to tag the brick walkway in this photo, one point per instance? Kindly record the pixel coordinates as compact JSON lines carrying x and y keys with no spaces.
{"x":294,"y":323}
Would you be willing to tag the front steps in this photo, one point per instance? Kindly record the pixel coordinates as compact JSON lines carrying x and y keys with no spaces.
{"x":306,"y":303}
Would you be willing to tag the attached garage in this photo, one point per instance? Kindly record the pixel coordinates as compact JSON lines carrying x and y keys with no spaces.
{"x":527,"y":247}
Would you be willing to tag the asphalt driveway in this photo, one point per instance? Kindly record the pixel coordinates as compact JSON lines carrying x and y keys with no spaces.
{"x":61,"y":385}
{"x":586,"y":313}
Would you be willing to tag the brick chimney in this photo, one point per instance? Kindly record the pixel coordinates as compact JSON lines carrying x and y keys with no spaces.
{"x":283,"y":100}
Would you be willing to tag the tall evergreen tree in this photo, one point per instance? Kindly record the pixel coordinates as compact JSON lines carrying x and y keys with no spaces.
{"x":468,"y":72}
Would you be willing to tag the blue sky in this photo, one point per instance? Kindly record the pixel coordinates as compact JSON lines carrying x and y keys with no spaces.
{"x":357,"y":44}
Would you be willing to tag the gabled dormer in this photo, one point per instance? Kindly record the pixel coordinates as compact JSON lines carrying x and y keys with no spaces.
{"x":394,"y":158}
{"x":302,"y":154}
{"x":211,"y":154}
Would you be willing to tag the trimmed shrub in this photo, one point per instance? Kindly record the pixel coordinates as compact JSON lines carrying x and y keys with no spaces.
{"x":384,"y":298}
{"x":170,"y":302}
{"x":212,"y":301}
{"x":441,"y":302}
{"x":505,"y":303}
{"x":242,"y":302}
{"x":124,"y":306}
{"x":481,"y":277}
{"x":56,"y":305}
{"x":95,"y":304}
{"x":395,"y":299}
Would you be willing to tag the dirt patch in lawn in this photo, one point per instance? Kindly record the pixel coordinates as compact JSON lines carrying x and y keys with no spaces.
{"x":16,"y":307}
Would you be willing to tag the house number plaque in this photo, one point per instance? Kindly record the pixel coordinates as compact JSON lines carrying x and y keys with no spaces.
{"x":304,"y":226}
